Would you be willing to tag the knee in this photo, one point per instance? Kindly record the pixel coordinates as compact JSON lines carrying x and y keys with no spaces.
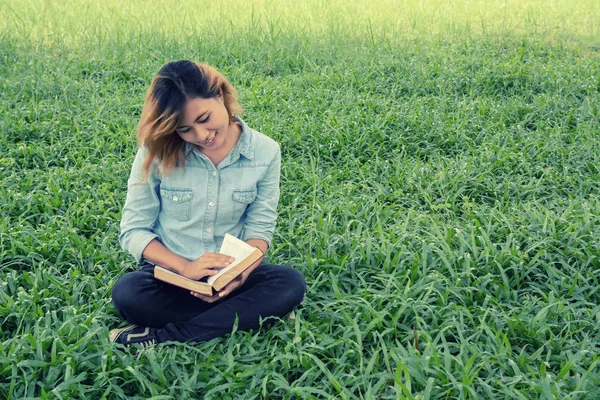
{"x":120,"y":296}
{"x":296,"y":287}
{"x":125,"y":296}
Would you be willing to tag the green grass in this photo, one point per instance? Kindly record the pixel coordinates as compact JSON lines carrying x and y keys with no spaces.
{"x":441,"y":170}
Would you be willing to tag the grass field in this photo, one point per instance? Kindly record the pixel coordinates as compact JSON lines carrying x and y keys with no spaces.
{"x":441,"y":169}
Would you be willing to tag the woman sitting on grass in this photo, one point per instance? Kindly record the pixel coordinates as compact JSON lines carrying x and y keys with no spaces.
{"x":200,"y":173}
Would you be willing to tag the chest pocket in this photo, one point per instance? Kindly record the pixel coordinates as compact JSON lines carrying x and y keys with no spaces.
{"x":176,"y":202}
{"x":241,"y":199}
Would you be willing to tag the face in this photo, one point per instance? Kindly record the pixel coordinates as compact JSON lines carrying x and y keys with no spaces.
{"x":205,"y":123}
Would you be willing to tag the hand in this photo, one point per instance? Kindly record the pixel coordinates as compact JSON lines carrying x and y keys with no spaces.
{"x":207,"y":265}
{"x":206,"y":298}
{"x":233,"y":285}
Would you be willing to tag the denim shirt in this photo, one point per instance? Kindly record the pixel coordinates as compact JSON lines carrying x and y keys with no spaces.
{"x":190,"y":209}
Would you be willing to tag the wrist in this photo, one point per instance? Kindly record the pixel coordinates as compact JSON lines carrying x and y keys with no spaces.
{"x":182,"y":267}
{"x":158,"y":254}
{"x":259,"y":244}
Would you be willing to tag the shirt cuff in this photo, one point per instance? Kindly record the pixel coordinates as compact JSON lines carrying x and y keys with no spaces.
{"x":255,"y":235}
{"x":139,"y":243}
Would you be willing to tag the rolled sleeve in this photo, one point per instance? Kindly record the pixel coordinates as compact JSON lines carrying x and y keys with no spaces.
{"x":141,"y":209}
{"x":261,"y":215}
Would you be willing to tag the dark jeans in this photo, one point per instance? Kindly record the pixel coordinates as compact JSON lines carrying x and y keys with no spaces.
{"x":270,"y":290}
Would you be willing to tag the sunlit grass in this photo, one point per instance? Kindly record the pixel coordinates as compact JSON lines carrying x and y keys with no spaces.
{"x":85,"y":23}
{"x":440,"y":171}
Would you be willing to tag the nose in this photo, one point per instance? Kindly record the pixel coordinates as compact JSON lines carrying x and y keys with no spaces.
{"x":201,"y":134}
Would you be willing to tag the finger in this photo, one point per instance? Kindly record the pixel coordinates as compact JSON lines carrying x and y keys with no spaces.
{"x":229,"y":288}
{"x":219,"y":259}
{"x":211,"y":271}
{"x":204,"y":272}
{"x":200,"y":295}
{"x":223,"y":262}
{"x":203,"y":297}
{"x":210,"y":299}
{"x":217,"y":256}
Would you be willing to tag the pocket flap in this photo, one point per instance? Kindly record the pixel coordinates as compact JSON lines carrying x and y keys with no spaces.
{"x":245,"y":196}
{"x":176,"y":195}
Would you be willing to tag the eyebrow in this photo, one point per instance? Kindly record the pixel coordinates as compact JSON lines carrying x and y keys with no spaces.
{"x":196,"y":120}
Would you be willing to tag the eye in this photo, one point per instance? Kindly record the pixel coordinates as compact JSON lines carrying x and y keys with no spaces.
{"x":204,"y":120}
{"x":182,"y":130}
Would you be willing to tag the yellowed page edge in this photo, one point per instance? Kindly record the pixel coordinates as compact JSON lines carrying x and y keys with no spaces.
{"x":173,"y":278}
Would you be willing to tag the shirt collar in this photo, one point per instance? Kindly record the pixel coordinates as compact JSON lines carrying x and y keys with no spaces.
{"x":242,"y":147}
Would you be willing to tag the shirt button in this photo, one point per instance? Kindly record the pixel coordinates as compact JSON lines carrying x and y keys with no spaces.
{"x":214,"y":173}
{"x":208,"y":230}
{"x":211,"y":204}
{"x":175,"y":198}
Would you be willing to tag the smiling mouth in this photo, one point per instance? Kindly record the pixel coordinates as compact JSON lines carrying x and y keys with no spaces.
{"x":210,"y":140}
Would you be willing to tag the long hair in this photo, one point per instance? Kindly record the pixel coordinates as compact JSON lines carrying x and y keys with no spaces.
{"x":173,"y":86}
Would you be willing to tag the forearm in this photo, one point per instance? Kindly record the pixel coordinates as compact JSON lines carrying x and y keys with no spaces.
{"x":158,"y":254}
{"x":262,"y":246}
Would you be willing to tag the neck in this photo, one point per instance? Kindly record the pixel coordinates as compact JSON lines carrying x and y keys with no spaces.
{"x":234,"y":132}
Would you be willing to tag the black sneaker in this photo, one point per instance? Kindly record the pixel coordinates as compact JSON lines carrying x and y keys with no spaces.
{"x":134,"y":334}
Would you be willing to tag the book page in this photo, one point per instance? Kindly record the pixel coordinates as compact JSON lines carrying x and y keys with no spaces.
{"x":235,"y":248}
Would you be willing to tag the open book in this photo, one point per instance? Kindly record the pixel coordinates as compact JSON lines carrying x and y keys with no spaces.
{"x":244,"y":255}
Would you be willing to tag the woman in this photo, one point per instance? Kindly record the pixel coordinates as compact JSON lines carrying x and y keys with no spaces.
{"x":200,"y":172}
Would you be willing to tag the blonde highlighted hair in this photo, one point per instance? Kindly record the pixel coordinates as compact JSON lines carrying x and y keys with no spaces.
{"x":173,"y":86}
